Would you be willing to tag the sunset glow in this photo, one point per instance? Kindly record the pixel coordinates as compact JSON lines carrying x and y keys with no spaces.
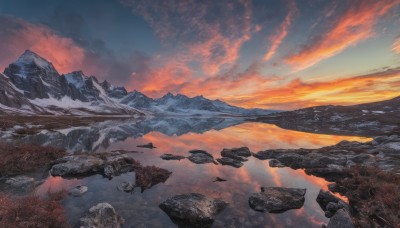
{"x":266,"y":54}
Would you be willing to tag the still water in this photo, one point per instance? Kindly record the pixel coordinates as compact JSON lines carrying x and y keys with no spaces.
{"x":178,"y":136}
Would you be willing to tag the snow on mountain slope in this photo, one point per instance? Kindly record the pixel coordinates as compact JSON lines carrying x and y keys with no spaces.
{"x":40,"y":88}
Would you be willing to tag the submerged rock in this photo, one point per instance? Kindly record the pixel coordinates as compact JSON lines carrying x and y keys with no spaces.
{"x":230,"y":161}
{"x":277,"y":199}
{"x":126,"y":186}
{"x":78,"y":190}
{"x":148,"y":145}
{"x":172,"y":157}
{"x":193,"y":209}
{"x":219,"y":179}
{"x":201,"y":157}
{"x":103,"y":215}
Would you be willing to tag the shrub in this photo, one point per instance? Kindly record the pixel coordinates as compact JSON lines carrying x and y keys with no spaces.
{"x":19,"y":159}
{"x":31,"y":211}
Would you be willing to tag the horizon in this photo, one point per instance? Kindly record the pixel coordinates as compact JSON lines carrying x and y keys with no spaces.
{"x":270,"y":55}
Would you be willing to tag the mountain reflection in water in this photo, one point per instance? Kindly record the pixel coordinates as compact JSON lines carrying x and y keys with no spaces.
{"x":178,"y":136}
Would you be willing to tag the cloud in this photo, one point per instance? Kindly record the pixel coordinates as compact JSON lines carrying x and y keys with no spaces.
{"x":396,"y":45}
{"x":282,"y":32}
{"x":374,"y":86}
{"x":208,"y":34}
{"x":353,"y":26}
{"x":18,"y":35}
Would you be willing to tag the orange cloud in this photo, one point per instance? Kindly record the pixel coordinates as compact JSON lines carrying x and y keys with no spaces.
{"x":396,"y":45}
{"x":352,"y":90}
{"x":355,"y":25}
{"x":277,"y":38}
{"x":20,"y":35}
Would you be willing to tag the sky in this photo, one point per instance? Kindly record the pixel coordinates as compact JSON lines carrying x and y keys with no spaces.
{"x":276,"y":54}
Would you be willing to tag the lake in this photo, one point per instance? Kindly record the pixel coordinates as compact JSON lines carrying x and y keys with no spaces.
{"x":178,"y":135}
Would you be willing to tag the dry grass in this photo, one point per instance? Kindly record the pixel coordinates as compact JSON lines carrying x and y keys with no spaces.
{"x":20,"y":159}
{"x":32,"y":211}
{"x":374,"y":196}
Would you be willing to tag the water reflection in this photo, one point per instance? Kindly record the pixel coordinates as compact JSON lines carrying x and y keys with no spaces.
{"x":178,"y":136}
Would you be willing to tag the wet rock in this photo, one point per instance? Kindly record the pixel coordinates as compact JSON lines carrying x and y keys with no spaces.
{"x":21,"y":182}
{"x":341,"y":219}
{"x":201,"y":157}
{"x":230,"y":161}
{"x":324,"y":198}
{"x":331,"y":172}
{"x":236,"y":153}
{"x":109,"y":164}
{"x":277,"y":199}
{"x":172,"y":157}
{"x":147,"y":177}
{"x":78,"y":190}
{"x":103,"y":215}
{"x":148,"y":145}
{"x":126,"y":186}
{"x":193,"y":209}
{"x":275,"y":163}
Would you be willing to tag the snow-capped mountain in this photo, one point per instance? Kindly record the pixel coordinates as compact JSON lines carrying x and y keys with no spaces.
{"x":32,"y":85}
{"x":183,"y":105}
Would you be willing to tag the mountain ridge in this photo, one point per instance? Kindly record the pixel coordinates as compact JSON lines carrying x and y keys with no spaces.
{"x":43,"y":90}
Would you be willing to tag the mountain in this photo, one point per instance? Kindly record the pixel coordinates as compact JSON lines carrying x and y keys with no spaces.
{"x":183,"y":105}
{"x":370,"y":119}
{"x":32,"y":85}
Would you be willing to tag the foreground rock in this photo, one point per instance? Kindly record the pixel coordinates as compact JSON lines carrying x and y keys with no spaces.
{"x":148,"y":146}
{"x":201,"y":157}
{"x":234,"y":157}
{"x":21,"y":182}
{"x":330,"y":162}
{"x":78,"y":190}
{"x":341,"y":219}
{"x":329,"y":203}
{"x":103,"y":215}
{"x":172,"y":157}
{"x":277,"y":199}
{"x":105,"y":163}
{"x":193,"y":209}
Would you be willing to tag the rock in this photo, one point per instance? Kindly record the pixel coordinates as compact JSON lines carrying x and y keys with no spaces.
{"x":126,"y":186}
{"x":21,"y":182}
{"x":331,"y":172}
{"x":75,"y":165}
{"x":201,"y":157}
{"x":236,"y":153}
{"x":192,"y":210}
{"x":103,"y":215}
{"x":219,"y":179}
{"x":172,"y":157}
{"x":230,"y":161}
{"x":275,"y":163}
{"x":341,"y":219}
{"x":148,"y":145}
{"x":277,"y":199}
{"x":83,"y":164}
{"x":331,"y":209}
{"x":78,"y":190}
{"x":324,"y":198}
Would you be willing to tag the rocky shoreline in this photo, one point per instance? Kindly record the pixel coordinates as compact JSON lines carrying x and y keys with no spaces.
{"x":342,"y":163}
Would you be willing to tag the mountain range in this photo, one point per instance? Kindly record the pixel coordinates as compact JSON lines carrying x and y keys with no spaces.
{"x":32,"y":85}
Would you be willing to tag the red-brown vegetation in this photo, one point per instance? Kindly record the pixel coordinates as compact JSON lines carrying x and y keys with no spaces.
{"x":24,"y":158}
{"x":374,"y":196}
{"x":32,"y":211}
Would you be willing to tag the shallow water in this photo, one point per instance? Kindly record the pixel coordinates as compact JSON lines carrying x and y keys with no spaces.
{"x":141,"y":209}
